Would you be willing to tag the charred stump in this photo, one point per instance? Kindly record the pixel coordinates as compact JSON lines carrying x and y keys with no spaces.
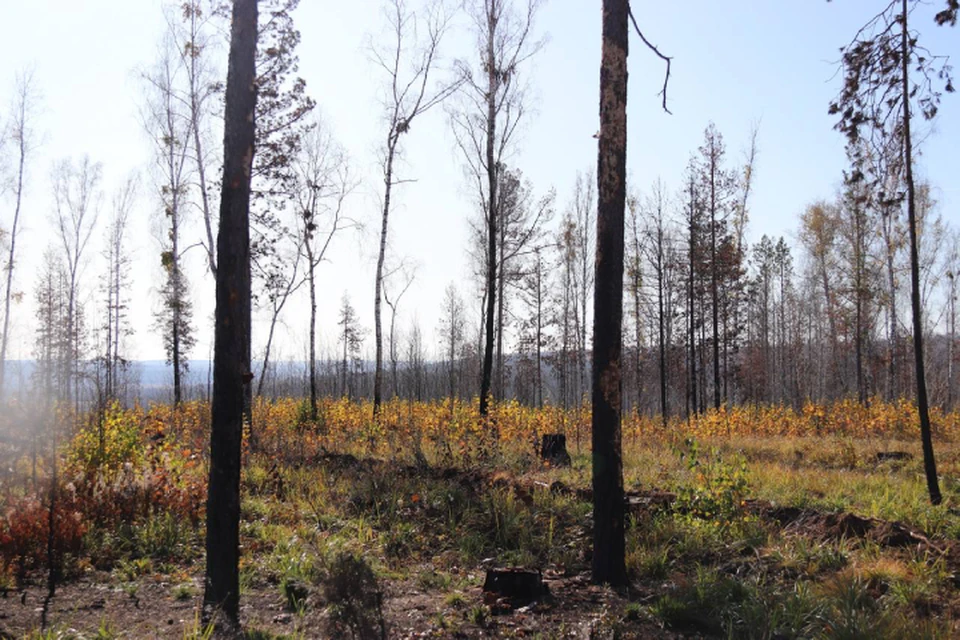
{"x":553,"y":449}
{"x":513,"y":587}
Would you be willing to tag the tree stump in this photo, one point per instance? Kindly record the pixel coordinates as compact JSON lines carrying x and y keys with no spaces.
{"x":553,"y":449}
{"x":515,"y":586}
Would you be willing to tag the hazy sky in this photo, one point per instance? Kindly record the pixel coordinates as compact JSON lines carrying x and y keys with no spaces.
{"x":736,"y":62}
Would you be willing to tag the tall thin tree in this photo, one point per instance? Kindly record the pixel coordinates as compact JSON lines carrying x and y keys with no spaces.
{"x":409,"y":66}
{"x":231,"y":364}
{"x":25,"y":103}
{"x":876,"y":102}
{"x":485,"y":126}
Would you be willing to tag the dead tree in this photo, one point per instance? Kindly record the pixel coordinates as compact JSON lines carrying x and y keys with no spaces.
{"x":485,"y":126}
{"x":408,"y":95}
{"x":876,"y":103}
{"x":25,"y":104}
{"x":231,"y":364}
{"x":608,"y":504}
{"x":322,"y":182}
{"x":608,"y":507}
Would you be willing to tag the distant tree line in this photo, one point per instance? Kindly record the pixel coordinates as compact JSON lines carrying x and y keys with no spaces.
{"x":711,"y":318}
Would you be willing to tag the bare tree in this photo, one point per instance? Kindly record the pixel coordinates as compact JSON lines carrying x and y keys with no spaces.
{"x":281,"y":278}
{"x":77,"y":198}
{"x":534,"y":288}
{"x":657,"y":254}
{"x":584,"y":216}
{"x":877,"y":100}
{"x":416,"y":364}
{"x":231,"y":365}
{"x":818,"y":234}
{"x":485,"y":125}
{"x":117,"y":284}
{"x":25,"y":105}
{"x":409,"y":65}
{"x":51,"y":341}
{"x":322,"y":182}
{"x":406,"y":275}
{"x":196,"y":33}
{"x":169,"y":125}
{"x":452,"y":331}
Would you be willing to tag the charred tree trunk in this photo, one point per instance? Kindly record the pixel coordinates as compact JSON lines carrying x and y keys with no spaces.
{"x":714,"y":285}
{"x":608,"y":508}
{"x":691,"y":311}
{"x":926,"y":436}
{"x":953,"y":338}
{"x":312,"y":365}
{"x":540,"y":331}
{"x":499,"y":387}
{"x":231,"y":365}
{"x":661,"y":327}
{"x":492,"y":212}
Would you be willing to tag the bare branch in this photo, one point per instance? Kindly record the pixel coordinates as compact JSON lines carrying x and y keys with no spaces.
{"x":652,"y":47}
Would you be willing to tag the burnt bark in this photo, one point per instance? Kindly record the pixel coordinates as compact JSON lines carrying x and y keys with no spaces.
{"x":714,"y":288}
{"x":231,"y":365}
{"x":492,"y":213}
{"x":608,"y":510}
{"x":926,"y":437}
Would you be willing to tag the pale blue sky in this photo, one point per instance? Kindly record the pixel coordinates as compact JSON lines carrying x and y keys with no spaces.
{"x":735,"y":62}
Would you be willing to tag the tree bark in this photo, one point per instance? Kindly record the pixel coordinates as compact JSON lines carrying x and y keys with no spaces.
{"x":892,"y":304}
{"x":926,"y":437}
{"x":378,"y":326}
{"x":492,"y":209}
{"x":313,"y":331}
{"x":608,"y":508}
{"x":691,"y":311}
{"x":660,"y":321}
{"x":231,"y":365}
{"x":540,"y":332}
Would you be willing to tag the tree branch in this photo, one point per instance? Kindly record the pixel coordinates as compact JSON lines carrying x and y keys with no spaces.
{"x":652,"y":47}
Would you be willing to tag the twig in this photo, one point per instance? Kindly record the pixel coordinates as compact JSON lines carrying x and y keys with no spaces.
{"x":667,"y":59}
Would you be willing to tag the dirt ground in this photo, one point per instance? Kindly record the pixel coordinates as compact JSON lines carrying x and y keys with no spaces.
{"x":574,"y":609}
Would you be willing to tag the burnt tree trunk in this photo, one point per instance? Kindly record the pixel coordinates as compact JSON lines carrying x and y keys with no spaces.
{"x":492,"y":212}
{"x":231,"y":363}
{"x":661,"y":328}
{"x":926,"y":437}
{"x":608,"y":508}
{"x":714,"y":287}
{"x":692,"y":399}
{"x":553,"y":449}
{"x":312,"y":365}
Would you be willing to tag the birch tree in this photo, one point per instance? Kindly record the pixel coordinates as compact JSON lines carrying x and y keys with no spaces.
{"x":410,"y":64}
{"x":23,"y":135}
{"x":493,"y":102}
